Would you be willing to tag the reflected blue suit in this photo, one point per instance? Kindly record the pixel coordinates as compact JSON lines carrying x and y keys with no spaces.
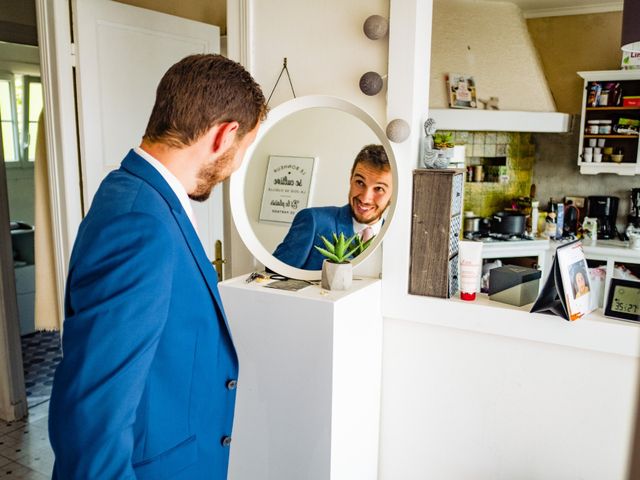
{"x":143,"y":390}
{"x":308,"y":225}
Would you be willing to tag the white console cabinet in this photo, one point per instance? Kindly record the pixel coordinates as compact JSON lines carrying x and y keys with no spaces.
{"x":308,"y":400}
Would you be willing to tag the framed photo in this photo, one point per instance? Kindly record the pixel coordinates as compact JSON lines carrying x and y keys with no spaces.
{"x":623,"y":301}
{"x":462,"y":91}
{"x":567,"y":290}
{"x":287,"y":187}
{"x":575,"y":279}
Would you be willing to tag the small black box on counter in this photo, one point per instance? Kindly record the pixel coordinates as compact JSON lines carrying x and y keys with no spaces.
{"x":514,"y":285}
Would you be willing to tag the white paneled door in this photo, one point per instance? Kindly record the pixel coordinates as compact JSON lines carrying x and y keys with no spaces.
{"x":121,"y":54}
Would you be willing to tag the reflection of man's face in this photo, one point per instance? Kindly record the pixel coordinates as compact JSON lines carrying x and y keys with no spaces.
{"x":220,"y":169}
{"x":369,"y":192}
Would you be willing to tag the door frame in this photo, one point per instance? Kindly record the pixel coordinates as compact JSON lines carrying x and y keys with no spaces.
{"x":57,"y":63}
{"x":13,"y":398}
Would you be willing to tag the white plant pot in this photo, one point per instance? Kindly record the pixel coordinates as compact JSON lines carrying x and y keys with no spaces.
{"x":336,"y":276}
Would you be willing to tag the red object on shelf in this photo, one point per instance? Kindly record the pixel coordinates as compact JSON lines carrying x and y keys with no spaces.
{"x":631,"y":101}
{"x":467,"y":296}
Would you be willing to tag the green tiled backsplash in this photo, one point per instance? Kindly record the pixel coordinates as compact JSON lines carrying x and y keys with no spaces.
{"x":485,"y":198}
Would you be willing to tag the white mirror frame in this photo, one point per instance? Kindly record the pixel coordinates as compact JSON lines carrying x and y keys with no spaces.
{"x":236,"y":188}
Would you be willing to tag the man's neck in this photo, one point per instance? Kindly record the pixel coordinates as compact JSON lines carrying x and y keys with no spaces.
{"x":179,"y":161}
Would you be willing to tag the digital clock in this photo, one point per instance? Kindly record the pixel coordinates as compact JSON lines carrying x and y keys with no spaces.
{"x":624,"y":300}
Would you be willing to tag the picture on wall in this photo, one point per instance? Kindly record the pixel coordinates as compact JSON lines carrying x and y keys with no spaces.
{"x":461,"y":90}
{"x":287,"y":187}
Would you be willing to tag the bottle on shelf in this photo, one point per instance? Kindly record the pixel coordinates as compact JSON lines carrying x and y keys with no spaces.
{"x":550,"y":223}
{"x":534,"y":218}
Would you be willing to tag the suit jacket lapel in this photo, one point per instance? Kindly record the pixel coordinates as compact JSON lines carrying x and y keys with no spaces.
{"x":139,"y":167}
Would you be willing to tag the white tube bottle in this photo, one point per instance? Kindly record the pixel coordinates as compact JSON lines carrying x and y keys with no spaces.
{"x":470,"y":268}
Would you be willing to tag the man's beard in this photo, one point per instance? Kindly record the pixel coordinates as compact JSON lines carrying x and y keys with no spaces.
{"x":371,"y":221}
{"x":212,"y":174}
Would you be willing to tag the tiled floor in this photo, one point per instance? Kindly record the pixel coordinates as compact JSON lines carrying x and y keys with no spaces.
{"x":25,"y":452}
{"x":24,"y":447}
{"x":41,"y":354}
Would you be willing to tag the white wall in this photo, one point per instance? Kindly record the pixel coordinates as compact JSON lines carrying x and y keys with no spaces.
{"x":459,"y":405}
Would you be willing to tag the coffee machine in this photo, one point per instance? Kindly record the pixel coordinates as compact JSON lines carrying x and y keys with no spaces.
{"x":605,"y":209}
{"x":634,"y":208}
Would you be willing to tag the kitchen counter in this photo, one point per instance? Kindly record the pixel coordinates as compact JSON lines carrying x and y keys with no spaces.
{"x":610,"y":248}
{"x":523,"y":248}
{"x":615,"y":248}
{"x":593,"y":332}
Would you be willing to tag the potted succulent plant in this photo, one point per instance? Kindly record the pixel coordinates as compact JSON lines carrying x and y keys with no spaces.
{"x":444,"y":141}
{"x":337,"y":271}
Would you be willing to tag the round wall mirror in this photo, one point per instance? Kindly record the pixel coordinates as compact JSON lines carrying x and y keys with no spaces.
{"x":302,"y":158}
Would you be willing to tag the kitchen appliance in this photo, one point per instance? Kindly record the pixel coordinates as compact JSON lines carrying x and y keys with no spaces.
{"x":634,"y":208}
{"x":508,"y":223}
{"x":605,"y":210}
{"x":571,"y":219}
{"x":476,"y":226}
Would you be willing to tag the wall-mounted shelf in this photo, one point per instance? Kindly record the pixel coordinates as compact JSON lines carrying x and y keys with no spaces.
{"x":499,"y":120}
{"x":629,"y":82}
{"x":604,"y":109}
{"x":593,"y":168}
{"x":625,"y":137}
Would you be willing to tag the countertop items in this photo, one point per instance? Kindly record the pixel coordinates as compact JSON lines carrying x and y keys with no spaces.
{"x":514,"y":285}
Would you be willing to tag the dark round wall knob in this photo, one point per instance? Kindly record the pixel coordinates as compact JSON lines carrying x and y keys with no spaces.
{"x":371,"y":83}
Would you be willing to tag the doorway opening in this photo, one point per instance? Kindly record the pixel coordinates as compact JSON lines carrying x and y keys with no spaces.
{"x":21,"y":104}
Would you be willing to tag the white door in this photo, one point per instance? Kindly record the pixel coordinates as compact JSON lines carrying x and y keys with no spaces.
{"x":122,"y":52}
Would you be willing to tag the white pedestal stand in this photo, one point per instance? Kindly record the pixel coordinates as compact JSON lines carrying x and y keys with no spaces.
{"x":308,"y":401}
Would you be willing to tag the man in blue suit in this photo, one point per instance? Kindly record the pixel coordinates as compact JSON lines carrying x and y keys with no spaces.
{"x":370,"y":189}
{"x":146,"y":387}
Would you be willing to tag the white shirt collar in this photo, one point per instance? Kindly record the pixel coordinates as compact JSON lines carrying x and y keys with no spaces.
{"x":358,"y":227}
{"x":173,"y":182}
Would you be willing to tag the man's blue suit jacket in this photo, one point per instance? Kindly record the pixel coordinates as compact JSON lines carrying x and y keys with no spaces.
{"x":308,"y":225}
{"x":143,"y":390}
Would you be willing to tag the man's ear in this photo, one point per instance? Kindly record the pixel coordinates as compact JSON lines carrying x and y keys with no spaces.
{"x":224,"y":136}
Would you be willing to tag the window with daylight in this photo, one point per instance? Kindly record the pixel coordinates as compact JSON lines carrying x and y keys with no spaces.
{"x":20,"y":105}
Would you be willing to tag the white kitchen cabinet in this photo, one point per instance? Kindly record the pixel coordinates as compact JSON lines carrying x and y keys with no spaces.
{"x":536,"y":250}
{"x":611,"y":253}
{"x":629,"y":81}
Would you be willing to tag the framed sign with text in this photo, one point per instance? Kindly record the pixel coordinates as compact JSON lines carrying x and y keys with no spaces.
{"x":287,"y":187}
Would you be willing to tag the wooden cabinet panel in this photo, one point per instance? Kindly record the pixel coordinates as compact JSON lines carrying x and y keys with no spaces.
{"x":435,"y":232}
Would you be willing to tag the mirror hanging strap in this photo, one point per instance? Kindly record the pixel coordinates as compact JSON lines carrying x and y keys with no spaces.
{"x":284,"y":69}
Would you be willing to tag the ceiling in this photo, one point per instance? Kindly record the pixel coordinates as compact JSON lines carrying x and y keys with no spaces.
{"x":550,"y":8}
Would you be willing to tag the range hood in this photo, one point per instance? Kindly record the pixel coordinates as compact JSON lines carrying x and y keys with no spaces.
{"x":490,"y":41}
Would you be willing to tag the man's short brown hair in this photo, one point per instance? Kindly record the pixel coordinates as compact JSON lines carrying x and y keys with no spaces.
{"x":199,"y":92}
{"x":373,"y":155}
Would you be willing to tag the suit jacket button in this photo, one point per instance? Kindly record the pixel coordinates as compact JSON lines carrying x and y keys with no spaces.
{"x":226,"y":441}
{"x":232,"y":384}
